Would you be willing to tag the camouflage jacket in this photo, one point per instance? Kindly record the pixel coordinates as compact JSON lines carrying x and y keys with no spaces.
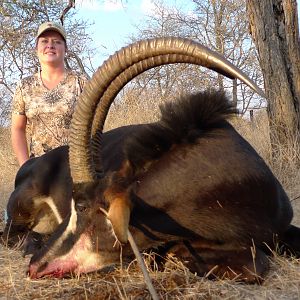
{"x":48,"y":112}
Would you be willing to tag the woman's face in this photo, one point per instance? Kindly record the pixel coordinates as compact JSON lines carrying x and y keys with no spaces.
{"x":51,"y":48}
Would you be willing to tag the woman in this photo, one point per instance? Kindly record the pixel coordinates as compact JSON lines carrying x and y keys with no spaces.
{"x":44,"y":102}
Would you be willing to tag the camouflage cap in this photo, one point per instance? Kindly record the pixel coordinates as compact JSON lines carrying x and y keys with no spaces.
{"x":47,"y":26}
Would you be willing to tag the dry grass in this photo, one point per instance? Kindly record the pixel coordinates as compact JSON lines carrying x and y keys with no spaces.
{"x":175,"y":282}
{"x":8,"y":167}
{"x":132,"y":108}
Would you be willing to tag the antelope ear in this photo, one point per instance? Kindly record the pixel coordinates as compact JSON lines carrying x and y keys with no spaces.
{"x":119,"y":215}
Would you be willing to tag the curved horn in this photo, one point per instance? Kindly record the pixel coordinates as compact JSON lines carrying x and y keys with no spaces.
{"x":118,"y":70}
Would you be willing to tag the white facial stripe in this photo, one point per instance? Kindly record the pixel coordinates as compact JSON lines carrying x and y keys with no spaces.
{"x":46,"y":219}
{"x":56,"y":213}
{"x":73,"y":219}
{"x":71,"y":228}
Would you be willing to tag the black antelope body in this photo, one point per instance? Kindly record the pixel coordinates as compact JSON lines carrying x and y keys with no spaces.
{"x":188,"y":184}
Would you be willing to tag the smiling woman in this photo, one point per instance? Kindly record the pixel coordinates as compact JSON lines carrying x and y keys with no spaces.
{"x":44,"y":102}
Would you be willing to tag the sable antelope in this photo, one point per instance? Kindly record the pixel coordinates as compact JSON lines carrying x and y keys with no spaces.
{"x":188,"y":184}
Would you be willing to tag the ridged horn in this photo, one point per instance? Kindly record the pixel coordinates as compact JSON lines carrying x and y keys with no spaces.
{"x":99,"y":93}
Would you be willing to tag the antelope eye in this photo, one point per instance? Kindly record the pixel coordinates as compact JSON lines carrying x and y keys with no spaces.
{"x":81,"y":207}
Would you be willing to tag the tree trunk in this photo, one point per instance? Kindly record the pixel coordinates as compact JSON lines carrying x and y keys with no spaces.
{"x":218,"y":16}
{"x":274,"y":29}
{"x":234,"y":93}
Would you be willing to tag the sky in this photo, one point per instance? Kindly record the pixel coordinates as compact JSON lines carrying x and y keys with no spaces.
{"x":116,"y":20}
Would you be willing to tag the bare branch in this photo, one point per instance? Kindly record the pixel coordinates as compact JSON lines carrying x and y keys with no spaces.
{"x":71,"y":4}
{"x":79,"y":62}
